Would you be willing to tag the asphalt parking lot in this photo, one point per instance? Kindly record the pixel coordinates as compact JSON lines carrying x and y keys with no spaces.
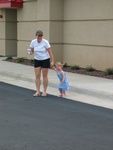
{"x":51,"y":123}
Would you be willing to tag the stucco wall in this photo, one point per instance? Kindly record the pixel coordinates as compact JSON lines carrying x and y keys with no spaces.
{"x":56,"y":28}
{"x":26,"y":18}
{"x":88,"y":33}
{"x":79,"y":31}
{"x":8,"y":32}
{"x":2,"y":33}
{"x":46,"y":15}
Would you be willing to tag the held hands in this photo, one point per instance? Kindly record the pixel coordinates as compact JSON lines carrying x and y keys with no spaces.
{"x":52,"y":64}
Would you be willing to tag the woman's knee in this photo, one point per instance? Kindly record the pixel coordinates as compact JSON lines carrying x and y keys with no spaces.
{"x":45,"y":73}
{"x":45,"y":76}
{"x":37,"y":76}
{"x":37,"y":73}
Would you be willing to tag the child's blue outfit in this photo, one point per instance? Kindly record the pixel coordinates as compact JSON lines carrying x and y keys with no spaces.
{"x":65,"y":85}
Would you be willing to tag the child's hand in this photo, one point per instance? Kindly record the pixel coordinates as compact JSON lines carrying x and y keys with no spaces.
{"x":52,"y":64}
{"x":61,"y":82}
{"x":53,"y":67}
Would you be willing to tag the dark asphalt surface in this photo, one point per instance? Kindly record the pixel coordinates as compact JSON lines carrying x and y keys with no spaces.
{"x":51,"y":123}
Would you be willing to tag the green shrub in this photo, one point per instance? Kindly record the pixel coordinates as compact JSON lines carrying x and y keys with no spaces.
{"x":90,"y":68}
{"x":65,"y":65}
{"x":32,"y":61}
{"x":21,"y":59}
{"x":9,"y":58}
{"x":75,"y":67}
{"x":109,"y":71}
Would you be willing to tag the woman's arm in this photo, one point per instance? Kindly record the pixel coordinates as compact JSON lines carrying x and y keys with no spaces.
{"x":51,"y":56}
{"x":32,"y":51}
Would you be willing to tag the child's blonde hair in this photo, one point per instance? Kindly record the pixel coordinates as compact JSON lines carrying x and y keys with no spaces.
{"x":59,"y":64}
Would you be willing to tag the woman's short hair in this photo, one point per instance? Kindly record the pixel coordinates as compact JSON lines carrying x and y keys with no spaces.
{"x":39,"y":32}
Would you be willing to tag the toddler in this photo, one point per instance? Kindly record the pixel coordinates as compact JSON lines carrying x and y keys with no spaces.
{"x":63,"y":85}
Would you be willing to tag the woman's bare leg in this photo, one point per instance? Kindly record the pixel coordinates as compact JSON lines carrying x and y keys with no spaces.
{"x":45,"y":80}
{"x":37,"y":80}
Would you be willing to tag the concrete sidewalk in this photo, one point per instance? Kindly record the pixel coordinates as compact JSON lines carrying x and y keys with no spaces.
{"x":83,"y":88}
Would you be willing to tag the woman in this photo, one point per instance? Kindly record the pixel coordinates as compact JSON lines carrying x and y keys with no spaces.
{"x":42,"y":57}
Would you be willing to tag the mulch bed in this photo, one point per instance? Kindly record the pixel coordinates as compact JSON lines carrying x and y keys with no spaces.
{"x":95,"y":73}
{"x":83,"y":71}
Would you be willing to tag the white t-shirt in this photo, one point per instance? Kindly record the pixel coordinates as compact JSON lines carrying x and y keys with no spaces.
{"x":40,"y":49}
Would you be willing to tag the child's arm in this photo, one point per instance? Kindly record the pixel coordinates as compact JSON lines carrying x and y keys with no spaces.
{"x":63,"y":77}
{"x":54,"y":68}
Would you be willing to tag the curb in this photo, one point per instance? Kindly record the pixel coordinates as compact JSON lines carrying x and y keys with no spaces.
{"x":80,"y":90}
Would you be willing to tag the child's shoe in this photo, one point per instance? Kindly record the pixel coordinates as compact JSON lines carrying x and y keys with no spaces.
{"x":60,"y":95}
{"x":63,"y":95}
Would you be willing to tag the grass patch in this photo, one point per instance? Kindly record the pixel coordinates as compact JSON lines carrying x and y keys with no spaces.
{"x":90,"y":68}
{"x":21,"y":59}
{"x":65,"y":65}
{"x":32,"y":61}
{"x":109,"y":71}
{"x":75,"y":67}
{"x":9,"y":58}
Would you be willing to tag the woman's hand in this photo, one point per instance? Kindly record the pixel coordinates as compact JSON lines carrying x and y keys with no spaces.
{"x":52,"y":64}
{"x":32,"y":51}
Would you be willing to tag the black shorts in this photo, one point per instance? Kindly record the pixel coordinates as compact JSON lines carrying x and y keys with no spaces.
{"x":42,"y":63}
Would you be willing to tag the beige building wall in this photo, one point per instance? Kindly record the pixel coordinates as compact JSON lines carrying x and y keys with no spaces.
{"x":79,"y":31}
{"x":88,"y":33}
{"x":2,"y":33}
{"x":11,"y":32}
{"x":8,"y":32}
{"x":27,"y":23}
{"x":56,"y":28}
{"x":40,"y":18}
